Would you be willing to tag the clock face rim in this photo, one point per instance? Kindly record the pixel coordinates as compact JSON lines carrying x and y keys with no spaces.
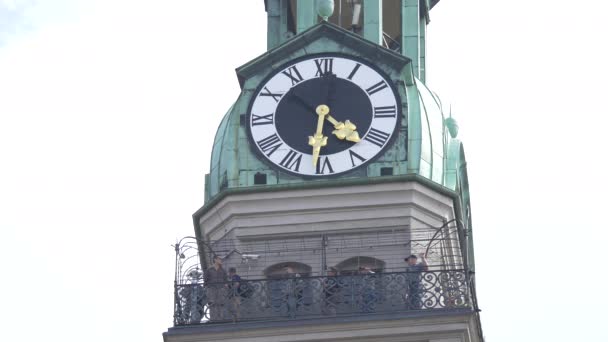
{"x":277,"y":70}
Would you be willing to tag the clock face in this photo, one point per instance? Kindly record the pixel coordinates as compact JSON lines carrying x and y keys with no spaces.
{"x":324,"y":115}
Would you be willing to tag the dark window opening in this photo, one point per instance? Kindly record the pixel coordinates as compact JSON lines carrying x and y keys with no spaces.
{"x":259,"y":178}
{"x":386,"y":171}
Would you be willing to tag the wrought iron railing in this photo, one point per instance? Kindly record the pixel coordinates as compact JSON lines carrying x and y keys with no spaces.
{"x":312,"y":297}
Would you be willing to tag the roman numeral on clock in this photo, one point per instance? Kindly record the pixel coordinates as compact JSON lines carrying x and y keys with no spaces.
{"x":257,"y":120}
{"x":324,"y":66}
{"x":385,"y":112}
{"x":292,"y":161}
{"x":352,"y":73}
{"x":377,"y":137}
{"x":353,"y":155}
{"x":322,"y":164}
{"x":269,"y":144}
{"x":376,"y":87}
{"x":275,"y":96}
{"x":294,"y":75}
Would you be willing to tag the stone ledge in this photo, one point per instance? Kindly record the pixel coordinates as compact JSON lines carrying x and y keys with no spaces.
{"x":421,"y":326}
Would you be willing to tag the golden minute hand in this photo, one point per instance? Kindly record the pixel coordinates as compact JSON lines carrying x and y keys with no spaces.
{"x":344,"y":130}
{"x":318,"y":140}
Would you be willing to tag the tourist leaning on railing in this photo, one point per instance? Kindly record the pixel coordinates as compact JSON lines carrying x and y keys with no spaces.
{"x":235,"y":293}
{"x":331,"y":292}
{"x":415,"y":288}
{"x":367,"y":282}
{"x":215,"y":282}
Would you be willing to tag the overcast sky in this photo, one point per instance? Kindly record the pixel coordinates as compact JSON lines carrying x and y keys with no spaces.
{"x":108,"y":111}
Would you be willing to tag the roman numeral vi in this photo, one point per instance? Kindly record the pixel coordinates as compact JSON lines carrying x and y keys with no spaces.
{"x":322,"y":164}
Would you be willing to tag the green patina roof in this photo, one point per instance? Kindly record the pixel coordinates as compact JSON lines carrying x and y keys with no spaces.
{"x":422,"y":147}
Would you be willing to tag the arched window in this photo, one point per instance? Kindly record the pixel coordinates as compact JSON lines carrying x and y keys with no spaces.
{"x":352,"y":265}
{"x":285,"y":268}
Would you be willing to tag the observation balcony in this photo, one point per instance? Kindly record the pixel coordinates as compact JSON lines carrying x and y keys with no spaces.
{"x":295,"y":297}
{"x":329,"y":264}
{"x":325,"y":286}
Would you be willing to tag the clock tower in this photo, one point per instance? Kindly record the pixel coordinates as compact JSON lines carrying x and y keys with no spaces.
{"x":338,"y":193}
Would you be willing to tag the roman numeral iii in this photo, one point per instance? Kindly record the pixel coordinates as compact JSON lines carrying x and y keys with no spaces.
{"x":376,"y":137}
{"x":385,"y":112}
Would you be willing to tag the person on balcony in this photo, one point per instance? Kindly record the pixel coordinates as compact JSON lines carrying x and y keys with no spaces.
{"x":293,"y":290}
{"x":369,"y":295}
{"x":415,"y":289}
{"x":330,"y":292}
{"x":283,"y":292}
{"x":217,"y":286}
{"x":235,"y":293}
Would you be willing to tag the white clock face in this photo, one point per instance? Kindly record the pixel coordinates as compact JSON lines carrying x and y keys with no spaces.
{"x":323,"y":115}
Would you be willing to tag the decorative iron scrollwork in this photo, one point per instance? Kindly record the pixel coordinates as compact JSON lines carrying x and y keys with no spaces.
{"x":293,"y":297}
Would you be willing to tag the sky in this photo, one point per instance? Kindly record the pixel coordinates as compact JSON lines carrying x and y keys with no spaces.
{"x":108,"y":111}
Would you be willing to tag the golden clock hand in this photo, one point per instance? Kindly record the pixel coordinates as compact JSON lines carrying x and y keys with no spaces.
{"x":344,"y":130}
{"x":318,"y":140}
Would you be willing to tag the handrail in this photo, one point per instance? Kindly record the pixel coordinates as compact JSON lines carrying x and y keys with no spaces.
{"x":294,"y":297}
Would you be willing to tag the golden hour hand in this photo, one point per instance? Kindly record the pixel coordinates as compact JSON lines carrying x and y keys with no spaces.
{"x":344,"y":130}
{"x":318,"y":140}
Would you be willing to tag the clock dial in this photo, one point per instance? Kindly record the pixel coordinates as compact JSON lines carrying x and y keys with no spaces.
{"x":323,"y":115}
